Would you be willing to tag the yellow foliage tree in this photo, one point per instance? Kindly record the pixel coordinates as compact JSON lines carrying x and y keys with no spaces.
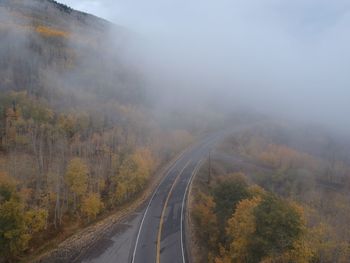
{"x":18,"y":223}
{"x":206,"y":221}
{"x":76,"y":178}
{"x":120,"y":192}
{"x":92,"y":205}
{"x":240,"y":229}
{"x":135,"y":170}
{"x":35,"y":220}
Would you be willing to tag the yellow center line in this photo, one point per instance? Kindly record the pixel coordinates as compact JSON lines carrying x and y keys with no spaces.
{"x":163,"y":211}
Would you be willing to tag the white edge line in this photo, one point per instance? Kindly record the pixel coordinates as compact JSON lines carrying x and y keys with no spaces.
{"x":149,"y":204}
{"x":195,"y":171}
{"x":168,"y":197}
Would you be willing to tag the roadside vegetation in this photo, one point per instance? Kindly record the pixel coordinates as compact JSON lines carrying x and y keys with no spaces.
{"x":279,"y":203}
{"x":60,"y":170}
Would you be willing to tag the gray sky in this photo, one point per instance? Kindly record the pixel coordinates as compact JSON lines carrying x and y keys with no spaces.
{"x":275,"y":55}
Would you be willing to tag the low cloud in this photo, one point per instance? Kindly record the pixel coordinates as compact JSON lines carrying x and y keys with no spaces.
{"x":279,"y":57}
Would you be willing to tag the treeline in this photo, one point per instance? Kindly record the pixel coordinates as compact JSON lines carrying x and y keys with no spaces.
{"x":60,"y":168}
{"x":278,"y":149}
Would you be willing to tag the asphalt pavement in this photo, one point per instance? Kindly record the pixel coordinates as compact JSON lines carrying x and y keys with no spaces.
{"x":156,"y":233}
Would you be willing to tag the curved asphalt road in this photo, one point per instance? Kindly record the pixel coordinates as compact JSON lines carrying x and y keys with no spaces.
{"x":160,"y":237}
{"x":156,"y":233}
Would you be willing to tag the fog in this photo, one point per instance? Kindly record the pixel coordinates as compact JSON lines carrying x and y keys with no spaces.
{"x":283,"y":58}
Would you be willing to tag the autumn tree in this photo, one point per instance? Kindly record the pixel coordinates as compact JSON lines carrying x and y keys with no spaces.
{"x":13,"y":235}
{"x":18,"y":223}
{"x":227,"y":193}
{"x":121,"y":191}
{"x":278,"y":226}
{"x":133,"y":174}
{"x":76,"y":179}
{"x":91,"y":205}
{"x":241,"y":229}
{"x":206,"y":222}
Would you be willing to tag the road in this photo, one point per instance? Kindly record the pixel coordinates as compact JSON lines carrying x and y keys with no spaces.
{"x":161,"y":234}
{"x":156,"y":233}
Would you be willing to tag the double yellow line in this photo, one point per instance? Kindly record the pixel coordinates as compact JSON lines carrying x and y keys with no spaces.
{"x":163,"y":211}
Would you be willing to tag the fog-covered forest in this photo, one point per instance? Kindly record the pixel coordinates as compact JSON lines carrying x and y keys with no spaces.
{"x":275,"y":194}
{"x":93,"y":109}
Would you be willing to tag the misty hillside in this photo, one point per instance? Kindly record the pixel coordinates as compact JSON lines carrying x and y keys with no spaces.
{"x":52,"y":13}
{"x":48,"y":49}
{"x":77,"y":138}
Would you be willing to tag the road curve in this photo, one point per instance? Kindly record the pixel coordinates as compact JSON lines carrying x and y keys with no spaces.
{"x":160,"y":237}
{"x":155,"y":232}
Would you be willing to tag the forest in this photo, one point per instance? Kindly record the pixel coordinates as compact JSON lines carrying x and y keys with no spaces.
{"x":276,"y":194}
{"x":60,"y":167}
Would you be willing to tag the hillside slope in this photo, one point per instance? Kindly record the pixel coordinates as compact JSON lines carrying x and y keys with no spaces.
{"x":77,"y":137}
{"x":46,"y":46}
